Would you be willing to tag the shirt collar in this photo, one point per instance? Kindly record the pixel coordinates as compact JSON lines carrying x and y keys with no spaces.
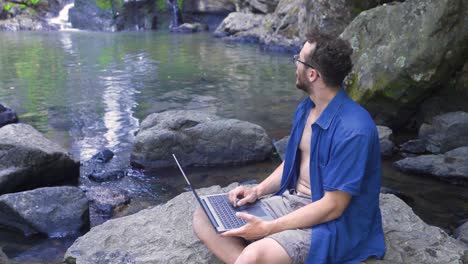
{"x":330,"y":111}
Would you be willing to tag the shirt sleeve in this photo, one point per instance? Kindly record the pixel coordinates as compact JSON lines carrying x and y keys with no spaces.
{"x":346,"y":168}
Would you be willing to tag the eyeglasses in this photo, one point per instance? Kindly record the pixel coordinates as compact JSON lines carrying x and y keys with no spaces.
{"x":296,"y":59}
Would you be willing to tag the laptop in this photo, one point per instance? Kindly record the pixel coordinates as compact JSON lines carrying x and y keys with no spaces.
{"x":220,"y":211}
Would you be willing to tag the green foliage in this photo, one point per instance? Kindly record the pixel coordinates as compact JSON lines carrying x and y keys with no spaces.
{"x":160,"y":5}
{"x":109,"y":4}
{"x":7,"y":6}
{"x":22,"y":6}
{"x":180,"y":3}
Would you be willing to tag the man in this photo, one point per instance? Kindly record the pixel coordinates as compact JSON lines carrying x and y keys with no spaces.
{"x":326,"y":192}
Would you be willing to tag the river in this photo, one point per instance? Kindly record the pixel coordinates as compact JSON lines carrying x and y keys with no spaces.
{"x":90,"y":90}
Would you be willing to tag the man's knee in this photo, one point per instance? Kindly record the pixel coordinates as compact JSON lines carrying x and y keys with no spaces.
{"x":251,"y":254}
{"x":200,"y":224}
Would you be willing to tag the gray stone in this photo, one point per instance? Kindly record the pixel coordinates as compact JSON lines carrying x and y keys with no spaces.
{"x":280,"y":146}
{"x":415,"y":146}
{"x":163,"y":234}
{"x":241,"y":26}
{"x":104,"y":203}
{"x":256,"y":6}
{"x":103,"y":176}
{"x":198,"y":139}
{"x":403,"y":52}
{"x":208,"y":6}
{"x":3,"y":257}
{"x":446,"y":132}
{"x":190,"y":28}
{"x":386,"y":148}
{"x":7,"y":116}
{"x":29,"y":160}
{"x":53,"y":211}
{"x":102,"y":19}
{"x":453,"y":164}
{"x":384,"y":132}
{"x":461,"y":233}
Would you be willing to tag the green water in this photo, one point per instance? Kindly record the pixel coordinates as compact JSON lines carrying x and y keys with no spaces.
{"x":90,"y":90}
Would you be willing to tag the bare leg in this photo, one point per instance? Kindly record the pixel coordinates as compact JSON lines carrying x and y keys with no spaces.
{"x":265,"y":250}
{"x":225,"y":248}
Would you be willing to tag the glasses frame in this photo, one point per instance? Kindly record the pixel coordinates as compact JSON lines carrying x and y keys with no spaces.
{"x":296,"y":59}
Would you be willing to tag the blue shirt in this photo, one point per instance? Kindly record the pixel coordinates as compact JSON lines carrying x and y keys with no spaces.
{"x":345,"y":156}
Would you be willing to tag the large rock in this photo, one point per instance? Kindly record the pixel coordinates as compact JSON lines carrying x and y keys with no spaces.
{"x":30,"y":18}
{"x":462,"y":233}
{"x":256,"y":6}
{"x":386,"y":145}
{"x":53,"y":211}
{"x":402,"y":52}
{"x":7,"y":116}
{"x":198,"y":139}
{"x":29,"y":160}
{"x":3,"y":257}
{"x":446,"y":132}
{"x":102,"y":15}
{"x":453,"y":164}
{"x":164,"y":234}
{"x":208,"y":6}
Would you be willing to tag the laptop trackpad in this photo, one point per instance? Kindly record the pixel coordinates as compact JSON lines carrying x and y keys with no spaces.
{"x":253,"y":209}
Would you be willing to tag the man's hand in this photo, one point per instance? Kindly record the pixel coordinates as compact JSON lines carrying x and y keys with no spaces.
{"x":254,"y":229}
{"x":244,"y":194}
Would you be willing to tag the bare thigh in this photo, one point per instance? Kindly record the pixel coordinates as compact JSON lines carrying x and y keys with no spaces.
{"x":265,"y":250}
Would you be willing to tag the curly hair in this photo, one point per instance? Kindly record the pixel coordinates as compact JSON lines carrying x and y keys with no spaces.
{"x":332,"y":57}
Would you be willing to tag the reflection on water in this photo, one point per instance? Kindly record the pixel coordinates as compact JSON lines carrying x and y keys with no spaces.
{"x":89,"y":91}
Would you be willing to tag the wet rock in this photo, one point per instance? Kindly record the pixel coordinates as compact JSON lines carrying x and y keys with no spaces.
{"x":198,"y":139}
{"x":163,"y":234}
{"x":53,"y":211}
{"x":256,"y":6}
{"x":446,"y":132}
{"x":29,"y":160}
{"x":208,"y":6}
{"x":102,"y":203}
{"x":415,"y":146}
{"x":190,"y":28}
{"x":103,"y":156}
{"x":280,"y":146}
{"x":7,"y":116}
{"x":3,"y":257}
{"x":453,"y":164}
{"x":102,"y":16}
{"x":389,"y":78}
{"x":241,"y":26}
{"x":103,"y":176}
{"x":461,"y":233}
{"x":386,"y":145}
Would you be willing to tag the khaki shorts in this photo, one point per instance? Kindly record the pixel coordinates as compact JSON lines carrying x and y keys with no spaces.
{"x":295,"y":242}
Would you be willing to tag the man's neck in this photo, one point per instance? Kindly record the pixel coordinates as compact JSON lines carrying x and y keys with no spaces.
{"x":322,"y":96}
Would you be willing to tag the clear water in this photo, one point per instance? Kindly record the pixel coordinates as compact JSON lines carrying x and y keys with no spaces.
{"x":90,"y":90}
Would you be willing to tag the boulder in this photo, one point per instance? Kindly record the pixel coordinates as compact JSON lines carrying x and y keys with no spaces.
{"x":461,"y":233}
{"x":386,"y":145}
{"x":29,"y":160}
{"x":414,"y":146}
{"x":403,"y":52}
{"x":446,"y":132}
{"x":52,"y":211}
{"x":242,"y":26}
{"x":7,"y":116}
{"x":103,"y":176}
{"x":208,"y":6}
{"x":163,"y":234}
{"x":256,"y":6}
{"x":190,"y":28}
{"x":101,"y":12}
{"x":280,"y":146}
{"x":198,"y":139}
{"x":451,"y":165}
{"x":3,"y":257}
{"x":103,"y":156}
{"x":102,"y":203}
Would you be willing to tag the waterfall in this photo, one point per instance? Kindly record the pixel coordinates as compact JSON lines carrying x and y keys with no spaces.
{"x":62,"y":19}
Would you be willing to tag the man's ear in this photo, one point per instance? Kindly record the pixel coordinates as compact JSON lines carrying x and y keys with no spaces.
{"x":312,"y":75}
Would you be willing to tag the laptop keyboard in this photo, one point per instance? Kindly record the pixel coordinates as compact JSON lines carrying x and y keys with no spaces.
{"x":226,"y":212}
